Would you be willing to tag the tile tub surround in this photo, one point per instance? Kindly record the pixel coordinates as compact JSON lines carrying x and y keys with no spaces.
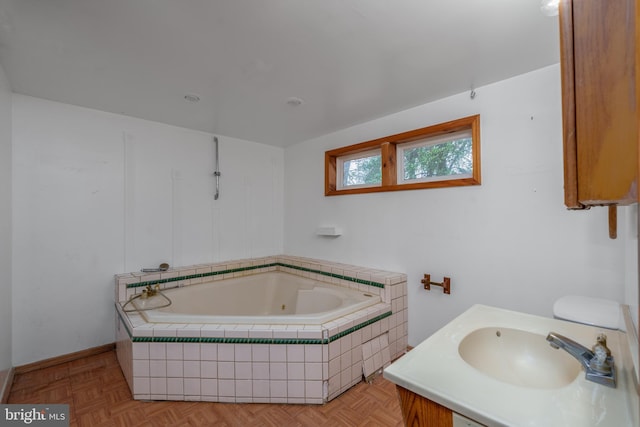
{"x":257,"y":363}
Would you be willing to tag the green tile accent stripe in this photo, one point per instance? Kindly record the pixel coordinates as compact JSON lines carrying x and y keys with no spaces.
{"x":255,"y":267}
{"x":199,"y":275}
{"x":359,"y":326}
{"x":226,"y":340}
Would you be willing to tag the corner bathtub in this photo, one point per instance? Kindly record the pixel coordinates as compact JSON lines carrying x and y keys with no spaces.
{"x":266,"y":298}
{"x":277,"y":329}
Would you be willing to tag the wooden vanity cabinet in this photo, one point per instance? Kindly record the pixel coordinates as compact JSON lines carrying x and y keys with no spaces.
{"x":418,"y":411}
{"x":600,"y":97}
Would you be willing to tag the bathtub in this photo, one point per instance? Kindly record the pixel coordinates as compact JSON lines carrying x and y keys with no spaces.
{"x":278,"y":329}
{"x":267,"y":298}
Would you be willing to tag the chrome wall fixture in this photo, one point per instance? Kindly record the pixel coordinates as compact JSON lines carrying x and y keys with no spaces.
{"x":216,"y":173}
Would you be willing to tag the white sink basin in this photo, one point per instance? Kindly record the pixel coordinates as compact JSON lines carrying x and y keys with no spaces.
{"x":518,"y":357}
{"x":517,"y":379}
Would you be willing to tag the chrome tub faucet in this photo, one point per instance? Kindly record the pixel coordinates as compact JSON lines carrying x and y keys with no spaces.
{"x":598,"y":364}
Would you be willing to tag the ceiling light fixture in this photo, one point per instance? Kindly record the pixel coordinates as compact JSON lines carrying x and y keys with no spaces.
{"x":294,"y":101}
{"x":191,"y":98}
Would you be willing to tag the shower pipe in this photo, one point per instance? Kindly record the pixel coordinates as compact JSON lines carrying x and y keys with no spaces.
{"x":217,"y":173}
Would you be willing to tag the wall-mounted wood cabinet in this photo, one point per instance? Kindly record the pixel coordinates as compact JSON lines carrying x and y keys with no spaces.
{"x":600,"y":97}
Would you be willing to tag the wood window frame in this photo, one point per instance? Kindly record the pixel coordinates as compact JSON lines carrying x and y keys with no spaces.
{"x":388,"y":145}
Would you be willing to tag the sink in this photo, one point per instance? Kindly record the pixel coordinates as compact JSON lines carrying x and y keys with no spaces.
{"x":518,"y":357}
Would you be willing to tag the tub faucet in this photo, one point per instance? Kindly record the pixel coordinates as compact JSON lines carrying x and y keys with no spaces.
{"x":149,"y":291}
{"x":598,"y":364}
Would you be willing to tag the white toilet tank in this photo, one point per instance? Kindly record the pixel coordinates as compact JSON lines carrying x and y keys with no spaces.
{"x":598,"y":312}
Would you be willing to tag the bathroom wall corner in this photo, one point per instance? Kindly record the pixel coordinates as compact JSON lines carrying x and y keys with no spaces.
{"x":6,"y":340}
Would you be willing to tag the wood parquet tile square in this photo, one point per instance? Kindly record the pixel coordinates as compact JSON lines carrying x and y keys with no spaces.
{"x":98,"y":395}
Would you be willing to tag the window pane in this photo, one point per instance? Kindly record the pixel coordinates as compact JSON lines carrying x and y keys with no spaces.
{"x":362,"y":171}
{"x":449,"y":158}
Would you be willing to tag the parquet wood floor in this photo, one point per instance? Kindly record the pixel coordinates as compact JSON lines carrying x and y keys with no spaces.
{"x":98,"y":395}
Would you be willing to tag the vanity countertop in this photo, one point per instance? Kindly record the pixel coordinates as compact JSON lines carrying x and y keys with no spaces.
{"x":434,"y":369}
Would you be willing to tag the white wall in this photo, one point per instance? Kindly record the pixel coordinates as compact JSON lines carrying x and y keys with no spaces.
{"x":5,"y":228}
{"x":509,"y":242}
{"x":97,"y":194}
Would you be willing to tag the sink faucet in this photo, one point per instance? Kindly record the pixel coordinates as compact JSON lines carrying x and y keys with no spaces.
{"x":598,"y":364}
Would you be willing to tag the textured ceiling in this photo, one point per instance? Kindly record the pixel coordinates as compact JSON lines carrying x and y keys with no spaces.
{"x":348,"y":60}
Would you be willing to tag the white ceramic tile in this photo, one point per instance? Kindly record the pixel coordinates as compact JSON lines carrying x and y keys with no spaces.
{"x":243,"y":371}
{"x":237,"y":331}
{"x":209,"y":387}
{"x":226,"y":387}
{"x":334,"y":349}
{"x":377,"y":360}
{"x":140,"y":368}
{"x":158,"y":386}
{"x":345,"y":343}
{"x":295,"y":389}
{"x":366,"y":333}
{"x":191,"y":369}
{"x":260,"y":370}
{"x":226,"y":370}
{"x":310,"y":333}
{"x":175,"y":368}
{"x":157,"y":351}
{"x":260,"y":352}
{"x":144,"y":330}
{"x":211,"y":331}
{"x":158,"y":368}
{"x":277,"y":353}
{"x":375,"y":345}
{"x":356,"y":337}
{"x":244,"y":388}
{"x":243,"y":352}
{"x":260,"y":331}
{"x":260,"y":389}
{"x":226,"y":352}
{"x":313,"y":389}
{"x":190,"y":331}
{"x":140,"y":350}
{"x":295,"y":353}
{"x":163,"y":332}
{"x":209,"y":351}
{"x":334,"y":367}
{"x":191,"y":351}
{"x":285,"y":334}
{"x":313,"y":371}
{"x":313,"y":353}
{"x":356,"y":373}
{"x":278,"y":370}
{"x":295,"y":371}
{"x":175,"y":386}
{"x":369,"y":367}
{"x":175,"y":351}
{"x":345,"y":378}
{"x":141,"y":385}
{"x":208,"y":369}
{"x":192,"y":386}
{"x":345,"y":360}
{"x":277,"y":389}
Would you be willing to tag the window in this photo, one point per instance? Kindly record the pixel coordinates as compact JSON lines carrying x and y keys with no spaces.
{"x":360,"y":170}
{"x":439,"y":158}
{"x":443,"y":155}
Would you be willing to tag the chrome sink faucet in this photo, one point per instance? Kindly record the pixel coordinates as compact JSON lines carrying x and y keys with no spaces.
{"x":598,"y":364}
